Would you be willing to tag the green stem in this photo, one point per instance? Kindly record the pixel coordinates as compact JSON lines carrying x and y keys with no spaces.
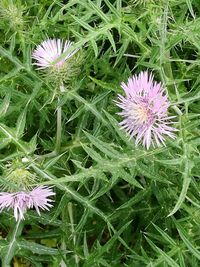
{"x":70,"y":210}
{"x":63,"y":243}
{"x":10,"y":252}
{"x":68,"y":221}
{"x":59,"y":123}
{"x":59,"y":130}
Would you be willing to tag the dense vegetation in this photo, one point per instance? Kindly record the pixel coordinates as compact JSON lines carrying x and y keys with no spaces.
{"x":116,"y":204}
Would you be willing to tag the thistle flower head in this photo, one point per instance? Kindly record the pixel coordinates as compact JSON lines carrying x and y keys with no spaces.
{"x":38,"y":198}
{"x":12,"y":13}
{"x":58,"y":70}
{"x":47,"y":53}
{"x":145,"y":110}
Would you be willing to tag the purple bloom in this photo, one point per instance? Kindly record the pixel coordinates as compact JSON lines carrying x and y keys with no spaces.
{"x":144,"y":110}
{"x":21,"y":201}
{"x":50,"y":50}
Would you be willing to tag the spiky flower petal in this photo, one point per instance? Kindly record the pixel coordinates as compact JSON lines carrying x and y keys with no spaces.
{"x":50,"y":50}
{"x":38,"y":198}
{"x":145,"y":110}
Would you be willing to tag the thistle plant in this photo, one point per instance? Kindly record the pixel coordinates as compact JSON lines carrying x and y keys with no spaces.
{"x":57,"y":56}
{"x":122,"y":152}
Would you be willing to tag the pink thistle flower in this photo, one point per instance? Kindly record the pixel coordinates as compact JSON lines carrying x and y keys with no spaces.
{"x":21,"y":201}
{"x":144,"y":110}
{"x":50,"y":50}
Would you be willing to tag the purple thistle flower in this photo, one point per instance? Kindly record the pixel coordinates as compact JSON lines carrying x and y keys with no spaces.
{"x":144,"y":110}
{"x":48,"y":51}
{"x":21,"y":201}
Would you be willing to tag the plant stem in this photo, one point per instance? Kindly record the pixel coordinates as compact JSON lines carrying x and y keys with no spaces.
{"x":10,"y":252}
{"x":70,"y":210}
{"x":59,"y":123}
{"x":59,"y":130}
{"x":63,"y":244}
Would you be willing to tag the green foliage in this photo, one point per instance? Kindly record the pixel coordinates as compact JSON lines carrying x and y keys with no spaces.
{"x":116,"y":204}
